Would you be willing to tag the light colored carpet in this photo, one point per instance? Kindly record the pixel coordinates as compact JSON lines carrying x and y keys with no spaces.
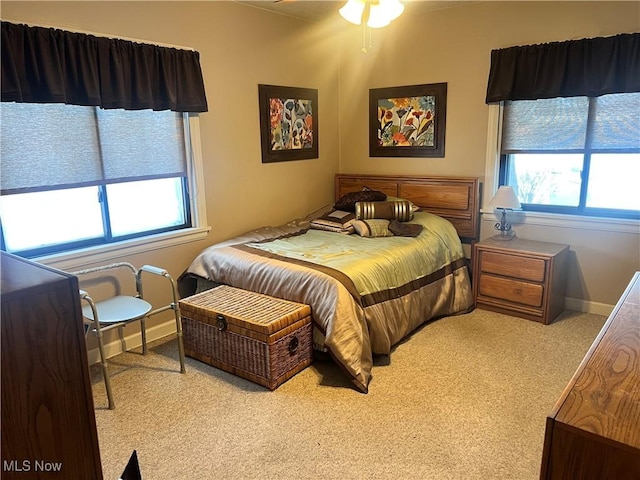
{"x":464,"y":397}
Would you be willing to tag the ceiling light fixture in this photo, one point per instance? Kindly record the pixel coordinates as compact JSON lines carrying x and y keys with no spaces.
{"x":375,"y":13}
{"x":372,"y":14}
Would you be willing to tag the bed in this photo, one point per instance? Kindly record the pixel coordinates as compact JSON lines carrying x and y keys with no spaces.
{"x":366,"y":294}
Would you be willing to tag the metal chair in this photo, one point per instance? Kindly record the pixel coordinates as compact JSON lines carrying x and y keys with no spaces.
{"x":120,"y":310}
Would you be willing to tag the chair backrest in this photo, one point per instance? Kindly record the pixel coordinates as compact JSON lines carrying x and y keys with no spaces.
{"x":107,"y":281}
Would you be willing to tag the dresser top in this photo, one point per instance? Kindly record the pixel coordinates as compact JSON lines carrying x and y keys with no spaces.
{"x":18,"y":274}
{"x":604,"y":398}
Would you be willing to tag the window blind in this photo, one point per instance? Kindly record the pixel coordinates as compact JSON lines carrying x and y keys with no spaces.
{"x":616,"y":122}
{"x":561,"y":124}
{"x":47,"y":146}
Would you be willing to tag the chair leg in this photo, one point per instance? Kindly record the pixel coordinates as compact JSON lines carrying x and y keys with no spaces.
{"x":176,"y":311}
{"x":105,"y":371}
{"x":143,"y":332}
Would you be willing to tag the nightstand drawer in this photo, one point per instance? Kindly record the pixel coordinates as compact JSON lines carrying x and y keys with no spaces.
{"x":516,"y":266}
{"x":515,"y":291}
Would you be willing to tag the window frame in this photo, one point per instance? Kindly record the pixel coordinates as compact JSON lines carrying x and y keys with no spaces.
{"x":581,"y":209}
{"x":104,"y":253}
{"x":108,"y":236}
{"x":552,"y":219}
{"x":586,"y":152}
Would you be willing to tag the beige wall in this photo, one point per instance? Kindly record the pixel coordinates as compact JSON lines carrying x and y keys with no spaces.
{"x":453,"y":45}
{"x":241,"y":47}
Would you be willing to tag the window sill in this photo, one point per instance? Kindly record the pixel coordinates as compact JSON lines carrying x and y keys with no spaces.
{"x":615,"y":225}
{"x":78,"y":259}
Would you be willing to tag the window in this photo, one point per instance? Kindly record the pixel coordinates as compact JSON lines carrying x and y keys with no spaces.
{"x":75,"y":176}
{"x":575,"y":155}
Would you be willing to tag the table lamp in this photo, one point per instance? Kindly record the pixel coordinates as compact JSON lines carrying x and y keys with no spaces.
{"x":504,"y":199}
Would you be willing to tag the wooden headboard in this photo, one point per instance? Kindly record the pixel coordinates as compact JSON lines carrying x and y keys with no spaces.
{"x":454,"y":198}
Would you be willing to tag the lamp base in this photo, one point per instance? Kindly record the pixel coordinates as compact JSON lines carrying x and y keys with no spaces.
{"x":507,"y":235}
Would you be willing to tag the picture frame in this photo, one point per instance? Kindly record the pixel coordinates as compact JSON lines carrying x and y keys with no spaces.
{"x":288,"y":123}
{"x":408,"y":121}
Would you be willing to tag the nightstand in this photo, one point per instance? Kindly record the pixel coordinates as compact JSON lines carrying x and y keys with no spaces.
{"x":524,"y":278}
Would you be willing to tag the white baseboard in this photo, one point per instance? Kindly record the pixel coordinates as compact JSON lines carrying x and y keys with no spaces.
{"x":588,"y":307}
{"x":134,"y":340}
{"x":168,"y":327}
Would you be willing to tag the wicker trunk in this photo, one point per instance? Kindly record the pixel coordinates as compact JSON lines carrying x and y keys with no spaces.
{"x":263,"y":339}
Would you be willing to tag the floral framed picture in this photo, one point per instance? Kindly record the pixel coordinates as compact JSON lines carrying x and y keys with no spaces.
{"x":407,"y":121}
{"x":288,"y":123}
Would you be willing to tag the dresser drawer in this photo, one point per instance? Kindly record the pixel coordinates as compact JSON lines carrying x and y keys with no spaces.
{"x":514,"y":291}
{"x":516,"y":266}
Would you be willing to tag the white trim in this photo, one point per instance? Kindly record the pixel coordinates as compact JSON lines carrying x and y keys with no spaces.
{"x":492,"y":163}
{"x":586,"y":306}
{"x":120,"y":344}
{"x":574,"y":222}
{"x":164,"y":329}
{"x":196,"y":171}
{"x":106,"y":253}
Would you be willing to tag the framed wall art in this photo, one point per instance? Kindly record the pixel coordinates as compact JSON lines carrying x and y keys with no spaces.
{"x":288,"y":123}
{"x":407,"y":121}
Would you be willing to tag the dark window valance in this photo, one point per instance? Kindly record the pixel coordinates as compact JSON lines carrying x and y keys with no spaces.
{"x":47,"y":65}
{"x":590,"y":67}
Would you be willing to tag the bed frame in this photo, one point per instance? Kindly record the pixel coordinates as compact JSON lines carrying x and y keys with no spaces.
{"x":454,"y":198}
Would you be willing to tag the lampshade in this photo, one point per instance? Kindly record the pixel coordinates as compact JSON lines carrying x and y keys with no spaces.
{"x":353,"y":10}
{"x":505,"y":198}
{"x":379,"y":14}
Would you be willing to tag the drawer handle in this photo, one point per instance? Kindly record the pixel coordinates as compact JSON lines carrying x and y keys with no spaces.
{"x":293,"y":345}
{"x":221,"y":323}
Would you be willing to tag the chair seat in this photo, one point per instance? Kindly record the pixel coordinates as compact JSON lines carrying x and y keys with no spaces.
{"x":119,"y":309}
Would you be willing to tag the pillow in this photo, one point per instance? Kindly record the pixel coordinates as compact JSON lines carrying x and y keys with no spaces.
{"x":398,"y":210}
{"x":335,"y":221}
{"x":414,"y":207}
{"x":404,"y":229}
{"x":372,"y":228}
{"x":347,"y":202}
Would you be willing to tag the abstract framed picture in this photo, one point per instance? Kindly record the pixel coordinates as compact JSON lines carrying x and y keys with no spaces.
{"x":288,"y":123}
{"x":407,"y":121}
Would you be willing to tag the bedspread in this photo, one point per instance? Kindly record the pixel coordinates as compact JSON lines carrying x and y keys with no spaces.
{"x":366,"y":294}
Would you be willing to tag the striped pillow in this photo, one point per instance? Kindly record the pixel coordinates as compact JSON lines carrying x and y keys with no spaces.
{"x":401,"y":210}
{"x":373,"y":228}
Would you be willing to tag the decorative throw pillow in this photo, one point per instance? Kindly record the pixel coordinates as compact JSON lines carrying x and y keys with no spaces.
{"x":372,"y":228}
{"x":335,"y":221}
{"x":348,"y":201}
{"x":399,"y":210}
{"x":404,"y":229}
{"x":414,"y":207}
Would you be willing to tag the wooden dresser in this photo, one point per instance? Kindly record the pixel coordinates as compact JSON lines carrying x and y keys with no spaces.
{"x":48,"y":420}
{"x":593,"y":431}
